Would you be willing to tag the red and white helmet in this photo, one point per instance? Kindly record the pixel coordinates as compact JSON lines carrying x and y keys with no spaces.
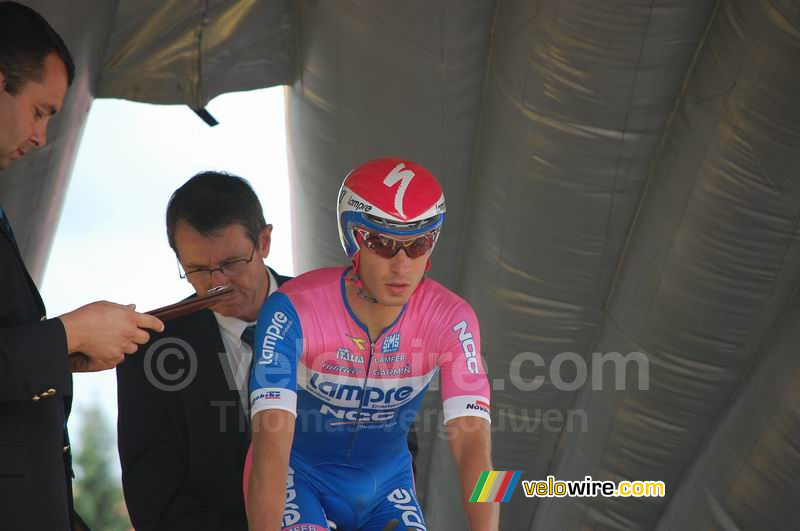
{"x":390,"y":195}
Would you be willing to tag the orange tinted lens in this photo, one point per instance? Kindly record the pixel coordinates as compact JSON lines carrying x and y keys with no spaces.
{"x":381,"y":245}
{"x":386,"y":247}
{"x":419,"y":246}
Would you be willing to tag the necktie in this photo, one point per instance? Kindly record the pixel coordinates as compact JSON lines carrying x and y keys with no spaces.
{"x":249,"y":336}
{"x":5,"y":225}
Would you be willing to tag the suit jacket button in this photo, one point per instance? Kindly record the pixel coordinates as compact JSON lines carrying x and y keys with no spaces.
{"x":50,"y":392}
{"x":36,"y":398}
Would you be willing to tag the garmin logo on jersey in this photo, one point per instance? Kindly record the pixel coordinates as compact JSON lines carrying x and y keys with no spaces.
{"x":373,"y":396}
{"x":274,"y":331}
{"x":404,"y":501}
{"x":480,"y":406}
{"x":358,"y":205}
{"x":468,"y":346}
{"x":350,"y":416}
{"x":395,"y":371}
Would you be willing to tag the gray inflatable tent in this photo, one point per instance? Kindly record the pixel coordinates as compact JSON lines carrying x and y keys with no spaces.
{"x":621,"y":176}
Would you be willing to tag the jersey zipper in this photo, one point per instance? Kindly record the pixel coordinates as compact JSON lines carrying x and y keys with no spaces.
{"x":361,"y":402}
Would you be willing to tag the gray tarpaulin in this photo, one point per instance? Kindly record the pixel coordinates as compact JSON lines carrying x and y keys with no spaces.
{"x":621,"y":177}
{"x":158,"y":51}
{"x":179,"y":51}
{"x":33,"y":190}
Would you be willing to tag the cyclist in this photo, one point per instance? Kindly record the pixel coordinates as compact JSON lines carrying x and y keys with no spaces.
{"x":343,"y":358}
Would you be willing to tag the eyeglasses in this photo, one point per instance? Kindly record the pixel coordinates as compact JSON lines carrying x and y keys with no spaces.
{"x":386,"y":246}
{"x":229,"y":269}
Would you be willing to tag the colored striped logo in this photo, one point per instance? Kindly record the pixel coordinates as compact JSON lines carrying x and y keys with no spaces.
{"x":494,"y":486}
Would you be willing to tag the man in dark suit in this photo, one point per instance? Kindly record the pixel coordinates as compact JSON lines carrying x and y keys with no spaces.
{"x":183,"y":422}
{"x":37,"y":354}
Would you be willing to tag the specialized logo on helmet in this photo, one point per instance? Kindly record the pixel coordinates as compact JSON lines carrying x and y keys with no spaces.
{"x":389,"y":192}
{"x":397,"y":190}
{"x":403,"y":176}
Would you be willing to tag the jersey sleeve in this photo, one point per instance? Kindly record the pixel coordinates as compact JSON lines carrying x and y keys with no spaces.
{"x":465,"y":387}
{"x":278,"y":347}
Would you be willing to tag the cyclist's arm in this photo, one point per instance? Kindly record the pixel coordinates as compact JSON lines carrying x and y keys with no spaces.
{"x":465,"y":395}
{"x":273,"y":407}
{"x":272,"y":444}
{"x":470,"y":443}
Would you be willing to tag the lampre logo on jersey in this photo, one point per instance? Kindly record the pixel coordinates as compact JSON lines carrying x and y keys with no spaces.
{"x":404,"y":500}
{"x":291,"y":511}
{"x":346,"y":392}
{"x":275,"y":332}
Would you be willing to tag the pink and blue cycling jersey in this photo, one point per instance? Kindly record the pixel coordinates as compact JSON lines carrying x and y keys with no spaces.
{"x":355,"y":398}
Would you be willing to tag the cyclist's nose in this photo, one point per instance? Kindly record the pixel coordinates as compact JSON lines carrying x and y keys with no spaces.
{"x":401,"y":261}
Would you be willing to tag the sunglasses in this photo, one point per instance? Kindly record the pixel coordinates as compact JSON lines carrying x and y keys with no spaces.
{"x":386,"y":246}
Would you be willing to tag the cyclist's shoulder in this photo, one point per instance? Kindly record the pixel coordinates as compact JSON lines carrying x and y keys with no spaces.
{"x":312,"y":292}
{"x":431,"y":297}
{"x":326,"y":278}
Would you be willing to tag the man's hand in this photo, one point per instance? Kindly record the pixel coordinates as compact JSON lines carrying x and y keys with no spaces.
{"x":100,"y":334}
{"x":80,"y":362}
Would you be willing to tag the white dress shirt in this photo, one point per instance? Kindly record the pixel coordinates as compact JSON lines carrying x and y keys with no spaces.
{"x":240,"y":355}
